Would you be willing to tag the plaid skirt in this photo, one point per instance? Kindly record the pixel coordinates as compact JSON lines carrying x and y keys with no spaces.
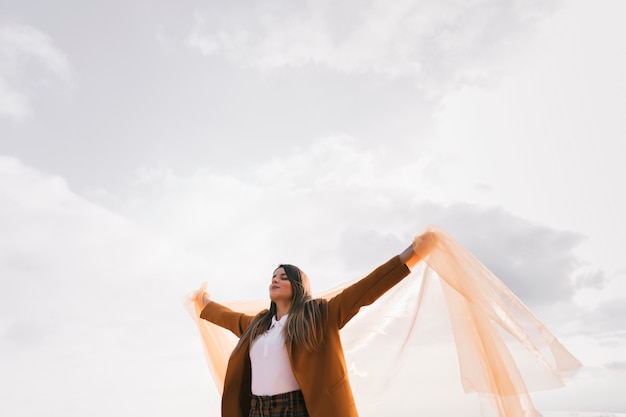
{"x":289,"y":404}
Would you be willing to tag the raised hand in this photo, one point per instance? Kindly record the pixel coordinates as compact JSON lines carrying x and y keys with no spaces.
{"x":422,"y":245}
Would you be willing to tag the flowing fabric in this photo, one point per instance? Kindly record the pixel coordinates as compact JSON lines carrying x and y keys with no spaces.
{"x":449,"y":329}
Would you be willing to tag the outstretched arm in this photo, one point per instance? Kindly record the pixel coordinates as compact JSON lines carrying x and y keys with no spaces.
{"x":347,"y":303}
{"x":225,"y":317}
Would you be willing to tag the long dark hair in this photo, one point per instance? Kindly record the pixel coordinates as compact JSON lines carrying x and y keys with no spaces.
{"x":304,"y":325}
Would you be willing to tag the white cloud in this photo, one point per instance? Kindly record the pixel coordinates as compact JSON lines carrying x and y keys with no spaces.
{"x":87,"y":296}
{"x":436,"y":42}
{"x":13,"y":104}
{"x":337,"y":211}
{"x":593,"y":389}
{"x":548,"y":138}
{"x":361,"y":203}
{"x":108,"y":288}
{"x":29,"y":60}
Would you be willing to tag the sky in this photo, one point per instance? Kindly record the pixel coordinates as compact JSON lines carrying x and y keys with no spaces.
{"x":146,"y":147}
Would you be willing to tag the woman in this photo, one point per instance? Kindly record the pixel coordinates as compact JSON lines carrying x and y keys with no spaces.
{"x":289,"y":360}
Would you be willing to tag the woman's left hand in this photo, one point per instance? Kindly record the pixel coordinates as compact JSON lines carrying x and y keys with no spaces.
{"x":422,"y":245}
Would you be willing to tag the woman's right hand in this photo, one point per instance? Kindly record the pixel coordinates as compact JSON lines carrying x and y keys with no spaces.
{"x":425,"y":243}
{"x":206,"y":298}
{"x":200,"y":296}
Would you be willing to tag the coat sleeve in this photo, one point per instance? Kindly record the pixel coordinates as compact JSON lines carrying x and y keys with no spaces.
{"x":225,"y":317}
{"x":347,"y":303}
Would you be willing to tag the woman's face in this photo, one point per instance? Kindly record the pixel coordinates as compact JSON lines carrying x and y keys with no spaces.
{"x":280,"y":288}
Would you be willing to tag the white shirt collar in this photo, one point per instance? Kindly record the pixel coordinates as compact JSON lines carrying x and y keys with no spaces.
{"x":280,"y":322}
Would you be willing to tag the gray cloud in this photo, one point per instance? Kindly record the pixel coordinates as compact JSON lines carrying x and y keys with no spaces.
{"x":538,"y":263}
{"x":616,"y":366}
{"x":535,"y":261}
{"x":13,"y":104}
{"x":595,"y":279}
{"x":607,"y":320}
{"x":362,"y":204}
{"x":29,"y":61}
{"x":436,"y":42}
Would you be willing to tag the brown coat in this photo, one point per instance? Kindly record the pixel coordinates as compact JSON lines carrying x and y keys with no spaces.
{"x":322,"y":375}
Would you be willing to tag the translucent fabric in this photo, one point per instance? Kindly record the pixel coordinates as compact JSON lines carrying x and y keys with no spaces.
{"x":450,"y":339}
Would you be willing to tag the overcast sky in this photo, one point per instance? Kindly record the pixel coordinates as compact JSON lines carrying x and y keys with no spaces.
{"x":148,"y":146}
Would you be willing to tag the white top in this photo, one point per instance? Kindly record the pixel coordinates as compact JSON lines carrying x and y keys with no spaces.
{"x":271,"y":370}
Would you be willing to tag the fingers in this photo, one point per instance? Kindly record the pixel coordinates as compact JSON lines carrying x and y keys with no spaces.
{"x":200,"y":297}
{"x":425,"y":243}
{"x":206,"y":298}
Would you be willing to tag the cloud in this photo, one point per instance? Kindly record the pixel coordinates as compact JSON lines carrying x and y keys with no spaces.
{"x":92,"y":294}
{"x":595,"y":392}
{"x":87,"y":295}
{"x":597,"y":280}
{"x":537,"y":262}
{"x":616,"y":366}
{"x":13,"y":104}
{"x":529,"y":137}
{"x":29,"y":60}
{"x":338,"y":210}
{"x":435,"y":42}
{"x":605,"y":321}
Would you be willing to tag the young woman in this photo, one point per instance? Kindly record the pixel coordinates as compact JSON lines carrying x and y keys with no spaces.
{"x":289,"y":360}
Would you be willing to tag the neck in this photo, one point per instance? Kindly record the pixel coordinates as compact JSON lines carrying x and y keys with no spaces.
{"x":282,"y":308}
